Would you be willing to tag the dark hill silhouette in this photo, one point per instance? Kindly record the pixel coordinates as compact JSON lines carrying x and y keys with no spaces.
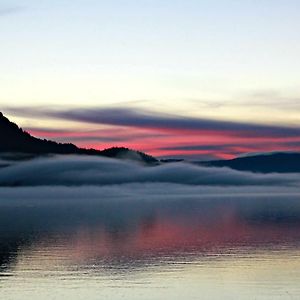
{"x":15,"y":140}
{"x":280,"y":162}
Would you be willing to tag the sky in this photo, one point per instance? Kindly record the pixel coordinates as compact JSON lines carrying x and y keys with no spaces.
{"x":193,"y":79}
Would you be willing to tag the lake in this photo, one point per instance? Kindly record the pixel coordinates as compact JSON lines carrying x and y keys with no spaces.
{"x":142,"y":243}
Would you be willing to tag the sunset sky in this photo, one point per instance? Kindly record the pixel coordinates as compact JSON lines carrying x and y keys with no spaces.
{"x":195,"y":79}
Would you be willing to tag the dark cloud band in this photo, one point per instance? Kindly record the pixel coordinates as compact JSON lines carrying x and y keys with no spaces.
{"x":150,"y":120}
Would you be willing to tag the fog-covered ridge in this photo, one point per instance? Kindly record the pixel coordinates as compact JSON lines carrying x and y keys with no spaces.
{"x":15,"y":140}
{"x":87,"y":170}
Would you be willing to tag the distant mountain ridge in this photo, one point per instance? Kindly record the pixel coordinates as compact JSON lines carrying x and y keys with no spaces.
{"x":278,"y":162}
{"x":15,"y":139}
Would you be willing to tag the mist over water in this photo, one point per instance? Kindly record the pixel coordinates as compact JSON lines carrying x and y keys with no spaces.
{"x":85,"y":170}
{"x":95,"y":228}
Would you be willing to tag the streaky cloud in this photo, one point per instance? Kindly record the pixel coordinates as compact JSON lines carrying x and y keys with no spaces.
{"x":215,"y":147}
{"x":130,"y":117}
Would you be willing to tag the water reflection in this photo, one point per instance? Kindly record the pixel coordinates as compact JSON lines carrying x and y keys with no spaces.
{"x":210,"y":244}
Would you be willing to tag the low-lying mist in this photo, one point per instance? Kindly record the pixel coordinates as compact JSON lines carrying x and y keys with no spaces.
{"x":113,"y":209}
{"x":86,"y":170}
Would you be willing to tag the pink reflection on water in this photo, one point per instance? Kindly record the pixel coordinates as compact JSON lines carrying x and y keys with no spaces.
{"x":163,"y":234}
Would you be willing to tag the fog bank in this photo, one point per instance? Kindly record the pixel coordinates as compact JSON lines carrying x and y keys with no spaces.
{"x":85,"y":170}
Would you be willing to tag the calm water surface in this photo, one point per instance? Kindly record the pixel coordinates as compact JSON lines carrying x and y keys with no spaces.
{"x":193,"y":248}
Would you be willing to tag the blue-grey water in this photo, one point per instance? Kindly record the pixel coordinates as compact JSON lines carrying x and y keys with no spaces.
{"x":145,"y":242}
